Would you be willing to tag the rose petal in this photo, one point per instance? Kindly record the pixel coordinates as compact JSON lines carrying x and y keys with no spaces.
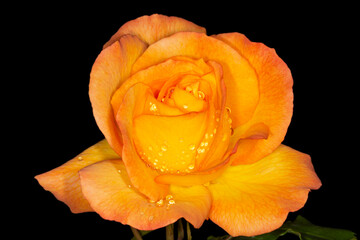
{"x":155,"y":27}
{"x":156,"y":76}
{"x":64,"y":181}
{"x":237,"y":72}
{"x":142,"y":176}
{"x":106,"y":186}
{"x":110,"y":69}
{"x":275,"y":105}
{"x":169,"y":143}
{"x":253,"y":199}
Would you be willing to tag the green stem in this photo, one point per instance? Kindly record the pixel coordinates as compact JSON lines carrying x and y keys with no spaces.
{"x":170,"y":232}
{"x":136,"y":233}
{"x":181,"y":233}
{"x":188,"y":231}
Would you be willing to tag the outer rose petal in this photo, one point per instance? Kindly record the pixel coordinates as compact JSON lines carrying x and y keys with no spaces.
{"x":111,"y":68}
{"x":275,"y":105}
{"x":256,"y":198}
{"x":155,"y":27}
{"x":106,"y":186}
{"x":64,"y":181}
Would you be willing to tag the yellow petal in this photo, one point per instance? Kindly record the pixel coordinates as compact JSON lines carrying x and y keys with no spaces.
{"x":141,"y":176}
{"x":254,"y":199}
{"x":169,"y":143}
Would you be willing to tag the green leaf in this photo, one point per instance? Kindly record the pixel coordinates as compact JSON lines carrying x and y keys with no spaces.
{"x":302,"y":228}
{"x":308,"y":231}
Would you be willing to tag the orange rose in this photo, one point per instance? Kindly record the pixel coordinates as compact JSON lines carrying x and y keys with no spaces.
{"x":193,"y":127}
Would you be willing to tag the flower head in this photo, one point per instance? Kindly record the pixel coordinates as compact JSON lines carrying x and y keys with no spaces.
{"x":193,"y":126}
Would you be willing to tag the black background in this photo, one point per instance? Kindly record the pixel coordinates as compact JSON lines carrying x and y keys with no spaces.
{"x":53,"y":47}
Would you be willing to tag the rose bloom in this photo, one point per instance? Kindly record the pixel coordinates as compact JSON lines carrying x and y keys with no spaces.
{"x":193,"y":126}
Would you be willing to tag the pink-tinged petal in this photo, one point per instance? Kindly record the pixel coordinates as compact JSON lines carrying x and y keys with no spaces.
{"x":155,"y":27}
{"x":64,"y":181}
{"x":111,"y":68}
{"x":275,"y":104}
{"x":108,"y":189}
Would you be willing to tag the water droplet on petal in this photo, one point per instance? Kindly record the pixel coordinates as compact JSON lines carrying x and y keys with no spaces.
{"x":160,"y":203}
{"x":80,"y":158}
{"x":185,"y":106}
{"x":153,"y":108}
{"x":192,"y":147}
{"x":151,"y":218}
{"x":169,"y":197}
{"x":164,"y":148}
{"x":191,"y":166}
{"x":201,"y":95}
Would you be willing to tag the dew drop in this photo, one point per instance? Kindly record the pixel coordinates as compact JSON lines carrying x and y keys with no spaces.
{"x":171,"y":202}
{"x":160,"y":154}
{"x":201,"y":95}
{"x":206,"y":143}
{"x":153,"y":107}
{"x":163,"y":148}
{"x":150,"y":148}
{"x":80,"y":158}
{"x":160,"y":203}
{"x":119,"y":171}
{"x":169,"y":197}
{"x":185,"y":106}
{"x":201,"y":150}
{"x":151,"y":218}
{"x":191,"y":166}
{"x":192,"y":147}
